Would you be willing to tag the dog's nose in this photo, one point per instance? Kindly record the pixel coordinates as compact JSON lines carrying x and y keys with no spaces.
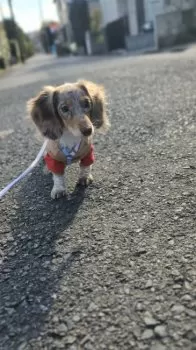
{"x":87,"y":132}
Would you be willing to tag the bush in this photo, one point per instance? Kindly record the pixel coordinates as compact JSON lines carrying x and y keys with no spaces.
{"x":4,"y":48}
{"x":95,"y":21}
{"x":14,"y":32}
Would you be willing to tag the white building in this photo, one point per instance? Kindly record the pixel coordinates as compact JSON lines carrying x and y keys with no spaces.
{"x":140,"y":10}
{"x":114,"y":9}
{"x":62,"y":11}
{"x":159,"y":7}
{"x":63,"y":8}
{"x":166,"y":15}
{"x":63,"y":15}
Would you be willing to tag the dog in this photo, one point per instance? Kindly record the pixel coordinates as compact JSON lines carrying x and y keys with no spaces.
{"x":68,"y":116}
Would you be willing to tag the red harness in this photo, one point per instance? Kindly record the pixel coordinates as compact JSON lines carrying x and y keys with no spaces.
{"x":58,"y":167}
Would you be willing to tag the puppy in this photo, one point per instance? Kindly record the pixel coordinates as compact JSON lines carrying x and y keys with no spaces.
{"x":67,"y":116}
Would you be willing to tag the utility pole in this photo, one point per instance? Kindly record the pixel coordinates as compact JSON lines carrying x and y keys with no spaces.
{"x":15,"y":28}
{"x":41,"y":11}
{"x":11,"y":10}
{"x":12,"y":17}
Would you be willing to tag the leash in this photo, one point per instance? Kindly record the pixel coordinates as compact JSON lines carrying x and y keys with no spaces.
{"x":26,"y":172}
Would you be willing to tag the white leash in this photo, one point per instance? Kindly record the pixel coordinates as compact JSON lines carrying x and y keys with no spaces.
{"x":26,"y":172}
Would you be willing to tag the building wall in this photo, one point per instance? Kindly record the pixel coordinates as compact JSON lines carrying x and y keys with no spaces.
{"x":114,"y":9}
{"x":169,"y":23}
{"x":132,"y":12}
{"x":129,"y":8}
{"x":122,"y":7}
{"x":63,"y":15}
{"x":175,"y":5}
{"x":177,"y":26}
{"x":158,"y":7}
{"x":62,"y":11}
{"x":109,"y":11}
{"x":152,"y":8}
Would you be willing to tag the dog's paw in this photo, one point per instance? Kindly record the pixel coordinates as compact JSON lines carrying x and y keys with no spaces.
{"x":85,"y":181}
{"x":58,"y":192}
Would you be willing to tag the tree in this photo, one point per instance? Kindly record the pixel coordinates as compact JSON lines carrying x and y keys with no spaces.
{"x":14,"y":32}
{"x":4,"y":48}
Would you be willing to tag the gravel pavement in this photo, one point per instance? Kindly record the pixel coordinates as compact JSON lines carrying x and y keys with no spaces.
{"x":112,"y":267}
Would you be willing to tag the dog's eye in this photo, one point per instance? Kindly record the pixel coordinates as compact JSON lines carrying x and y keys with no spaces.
{"x":86,"y":104}
{"x":64,"y":108}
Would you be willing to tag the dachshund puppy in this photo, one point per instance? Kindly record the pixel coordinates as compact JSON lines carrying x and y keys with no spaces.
{"x":67,"y":116}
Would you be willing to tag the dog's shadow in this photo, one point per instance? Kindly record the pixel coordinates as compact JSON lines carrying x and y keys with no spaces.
{"x":30,"y":280}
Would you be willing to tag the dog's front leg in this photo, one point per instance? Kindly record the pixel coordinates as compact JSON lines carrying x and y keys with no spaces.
{"x":85,"y":177}
{"x":59,"y":189}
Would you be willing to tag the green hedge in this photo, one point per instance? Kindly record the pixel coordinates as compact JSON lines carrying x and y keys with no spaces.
{"x":14,"y":32}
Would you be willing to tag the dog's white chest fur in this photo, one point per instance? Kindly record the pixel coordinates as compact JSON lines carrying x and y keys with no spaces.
{"x":69,"y":140}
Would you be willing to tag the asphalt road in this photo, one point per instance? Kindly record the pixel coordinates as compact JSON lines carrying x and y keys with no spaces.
{"x":112,"y":267}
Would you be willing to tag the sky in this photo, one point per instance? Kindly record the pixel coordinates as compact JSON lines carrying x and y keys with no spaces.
{"x":28,"y":14}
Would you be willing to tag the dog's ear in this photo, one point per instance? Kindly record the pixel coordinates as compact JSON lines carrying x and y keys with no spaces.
{"x":97,"y":95}
{"x":42,"y":110}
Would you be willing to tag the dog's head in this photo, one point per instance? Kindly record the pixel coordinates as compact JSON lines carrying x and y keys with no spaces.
{"x":78,"y":107}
